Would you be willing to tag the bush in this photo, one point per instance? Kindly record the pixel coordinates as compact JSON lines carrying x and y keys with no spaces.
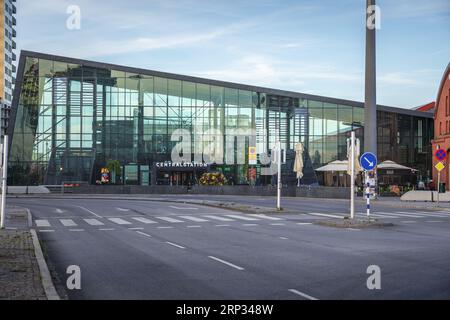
{"x":213,"y":179}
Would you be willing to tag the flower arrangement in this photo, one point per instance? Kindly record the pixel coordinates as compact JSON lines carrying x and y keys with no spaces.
{"x":213,"y":179}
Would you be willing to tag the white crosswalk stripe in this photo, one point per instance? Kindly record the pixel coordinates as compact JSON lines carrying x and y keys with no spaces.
{"x":168,"y":219}
{"x":412,"y":215}
{"x":241,"y":217}
{"x":219,"y":218}
{"x":94,"y":222}
{"x":195,"y":219}
{"x":262,"y":216}
{"x":42,"y":223}
{"x":384,"y":215}
{"x":143,"y":220}
{"x":408,"y":214}
{"x":438,"y":214}
{"x":327,"y":215}
{"x":184,"y":208}
{"x":68,"y":222}
{"x":119,"y":221}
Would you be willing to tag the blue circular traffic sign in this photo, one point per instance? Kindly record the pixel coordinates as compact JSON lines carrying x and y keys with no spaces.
{"x":368,"y":161}
{"x":440,"y":154}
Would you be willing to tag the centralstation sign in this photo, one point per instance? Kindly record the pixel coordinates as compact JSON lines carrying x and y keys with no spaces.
{"x":170,"y":164}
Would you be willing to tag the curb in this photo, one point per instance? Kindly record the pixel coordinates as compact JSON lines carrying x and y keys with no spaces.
{"x":46,"y":278}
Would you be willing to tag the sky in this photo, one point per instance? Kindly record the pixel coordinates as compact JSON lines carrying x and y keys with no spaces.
{"x":315,"y":47}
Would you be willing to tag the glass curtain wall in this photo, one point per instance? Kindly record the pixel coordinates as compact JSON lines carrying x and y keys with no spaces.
{"x":72,"y":119}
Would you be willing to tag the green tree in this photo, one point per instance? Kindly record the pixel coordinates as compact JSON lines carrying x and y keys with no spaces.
{"x":115,"y":169}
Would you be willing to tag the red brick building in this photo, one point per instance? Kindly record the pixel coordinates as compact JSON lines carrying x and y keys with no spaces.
{"x":442,"y":127}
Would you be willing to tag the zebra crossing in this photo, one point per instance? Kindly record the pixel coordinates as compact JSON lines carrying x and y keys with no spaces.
{"x":388,"y":215}
{"x":130,"y":220}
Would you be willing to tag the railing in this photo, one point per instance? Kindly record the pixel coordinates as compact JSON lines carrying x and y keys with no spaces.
{"x":72,"y":184}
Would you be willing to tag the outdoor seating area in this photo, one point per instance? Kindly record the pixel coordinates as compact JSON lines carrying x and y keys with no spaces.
{"x":393,"y":179}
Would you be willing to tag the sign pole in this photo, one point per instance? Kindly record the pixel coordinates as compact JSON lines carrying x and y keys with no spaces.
{"x":440,"y":155}
{"x":352,"y":175}
{"x":367,"y":195}
{"x":438,"y":187}
{"x":279,"y":175}
{"x":4,"y":177}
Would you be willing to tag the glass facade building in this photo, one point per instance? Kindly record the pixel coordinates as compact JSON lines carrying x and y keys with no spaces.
{"x":70,"y":117}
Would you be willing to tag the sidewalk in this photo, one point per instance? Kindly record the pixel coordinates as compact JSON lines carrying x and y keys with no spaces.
{"x":20,"y":277}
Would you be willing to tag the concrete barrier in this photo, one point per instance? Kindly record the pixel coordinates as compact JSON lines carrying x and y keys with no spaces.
{"x":420,"y":195}
{"x":27,"y":190}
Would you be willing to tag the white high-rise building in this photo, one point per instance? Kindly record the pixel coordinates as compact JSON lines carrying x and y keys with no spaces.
{"x":7,"y":58}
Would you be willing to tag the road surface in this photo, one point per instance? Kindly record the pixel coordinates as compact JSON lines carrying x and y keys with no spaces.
{"x":129,"y":249}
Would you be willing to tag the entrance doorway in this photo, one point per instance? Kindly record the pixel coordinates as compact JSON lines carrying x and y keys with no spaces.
{"x":176,"y":178}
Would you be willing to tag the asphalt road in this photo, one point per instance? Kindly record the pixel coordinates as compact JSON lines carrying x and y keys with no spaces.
{"x":130,"y":249}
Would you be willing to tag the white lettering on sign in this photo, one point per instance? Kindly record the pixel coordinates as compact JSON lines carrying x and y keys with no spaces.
{"x":169,"y":164}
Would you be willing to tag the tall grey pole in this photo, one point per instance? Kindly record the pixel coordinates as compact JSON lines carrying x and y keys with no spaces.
{"x":352,"y":175}
{"x":370,"y":103}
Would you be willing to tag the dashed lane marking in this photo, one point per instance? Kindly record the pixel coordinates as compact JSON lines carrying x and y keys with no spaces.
{"x":90,"y":211}
{"x":144,"y":234}
{"x":226,"y":263}
{"x":175,"y":245}
{"x":304,"y":295}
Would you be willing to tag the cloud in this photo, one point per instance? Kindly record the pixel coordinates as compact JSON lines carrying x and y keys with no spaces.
{"x":264,"y":70}
{"x":141,"y":44}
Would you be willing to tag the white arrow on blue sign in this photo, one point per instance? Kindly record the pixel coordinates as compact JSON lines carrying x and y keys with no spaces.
{"x":368,"y":161}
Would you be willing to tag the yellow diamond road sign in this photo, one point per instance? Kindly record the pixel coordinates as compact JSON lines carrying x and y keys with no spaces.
{"x":439,"y":166}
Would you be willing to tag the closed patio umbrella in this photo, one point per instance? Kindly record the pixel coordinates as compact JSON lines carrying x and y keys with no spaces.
{"x":298,"y":163}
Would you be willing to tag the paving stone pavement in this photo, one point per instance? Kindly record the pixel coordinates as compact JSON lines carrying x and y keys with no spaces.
{"x":19,"y":272}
